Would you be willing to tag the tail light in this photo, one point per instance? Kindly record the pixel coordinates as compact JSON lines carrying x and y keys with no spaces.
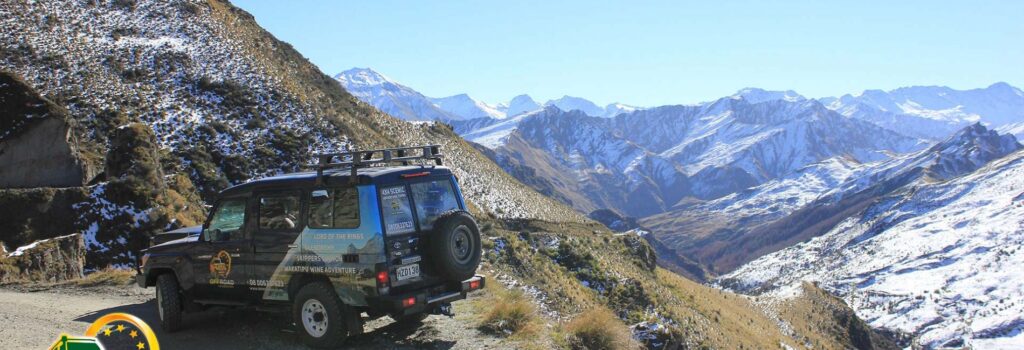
{"x":474,"y":285}
{"x":408,"y":302}
{"x":383,"y":278}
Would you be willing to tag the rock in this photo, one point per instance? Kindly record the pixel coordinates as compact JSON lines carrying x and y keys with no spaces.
{"x":51,"y":260}
{"x":38,"y":147}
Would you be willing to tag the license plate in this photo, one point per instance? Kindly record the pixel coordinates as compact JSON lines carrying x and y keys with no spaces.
{"x":408,"y":271}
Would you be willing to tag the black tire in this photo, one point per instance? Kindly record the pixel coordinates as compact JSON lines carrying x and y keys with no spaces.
{"x":168,"y":302}
{"x":319,"y":316}
{"x":413,"y":319}
{"x":454,"y":246}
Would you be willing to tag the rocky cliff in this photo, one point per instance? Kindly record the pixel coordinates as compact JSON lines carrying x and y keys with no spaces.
{"x":52,"y":260}
{"x":37,"y":145}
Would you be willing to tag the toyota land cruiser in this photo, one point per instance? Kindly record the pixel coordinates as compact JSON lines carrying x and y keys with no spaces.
{"x":365,"y":232}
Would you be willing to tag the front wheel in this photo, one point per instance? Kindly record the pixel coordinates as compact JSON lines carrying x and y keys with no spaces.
{"x":318,"y":314}
{"x":168,"y":302}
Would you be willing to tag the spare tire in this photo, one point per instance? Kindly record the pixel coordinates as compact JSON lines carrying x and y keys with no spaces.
{"x":454,"y":246}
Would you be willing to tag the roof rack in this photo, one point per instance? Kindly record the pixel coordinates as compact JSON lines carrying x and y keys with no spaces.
{"x":354,"y":160}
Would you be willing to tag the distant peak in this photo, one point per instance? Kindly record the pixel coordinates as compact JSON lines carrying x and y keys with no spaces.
{"x":362,"y":75}
{"x":757,"y":95}
{"x":463,"y":96}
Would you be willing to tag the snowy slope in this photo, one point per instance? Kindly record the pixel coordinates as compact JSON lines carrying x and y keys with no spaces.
{"x":614,"y":109}
{"x":730,"y":231}
{"x":390,"y":97}
{"x":521,"y":104}
{"x":757,"y":95}
{"x":938,"y":260}
{"x":643,"y":162}
{"x":934,"y":111}
{"x":467,"y":108}
{"x":224,"y":97}
{"x":570,"y":103}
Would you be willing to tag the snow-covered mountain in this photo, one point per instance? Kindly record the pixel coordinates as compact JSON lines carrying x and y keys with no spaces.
{"x":756,"y":95}
{"x":391,"y":97}
{"x":406,"y":103}
{"x":467,"y":108}
{"x":643,"y":162}
{"x":935,"y":257}
{"x":521,"y":104}
{"x":730,"y":231}
{"x":570,"y":103}
{"x":934,"y":111}
{"x":614,"y":109}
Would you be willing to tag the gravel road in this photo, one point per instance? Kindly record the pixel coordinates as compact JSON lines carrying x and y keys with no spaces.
{"x":33,"y":318}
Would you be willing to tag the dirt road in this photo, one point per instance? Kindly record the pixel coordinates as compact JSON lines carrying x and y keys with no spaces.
{"x":32,"y":319}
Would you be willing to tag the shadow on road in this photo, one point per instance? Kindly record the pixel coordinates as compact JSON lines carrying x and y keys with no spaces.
{"x":241,"y":328}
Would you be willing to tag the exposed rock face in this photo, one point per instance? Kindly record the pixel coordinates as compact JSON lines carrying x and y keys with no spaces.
{"x":37,"y":145}
{"x":51,"y":260}
{"x":32,"y":214}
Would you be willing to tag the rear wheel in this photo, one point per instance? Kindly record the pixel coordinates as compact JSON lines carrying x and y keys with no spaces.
{"x":168,"y":302}
{"x":455,"y":246}
{"x":318,"y":313}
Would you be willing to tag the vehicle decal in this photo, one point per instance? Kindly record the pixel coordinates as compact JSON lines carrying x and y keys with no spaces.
{"x":220,"y":269}
{"x":220,"y":265}
{"x":320,"y":251}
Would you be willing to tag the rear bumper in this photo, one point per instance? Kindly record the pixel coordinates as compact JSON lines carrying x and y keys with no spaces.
{"x":425,"y":301}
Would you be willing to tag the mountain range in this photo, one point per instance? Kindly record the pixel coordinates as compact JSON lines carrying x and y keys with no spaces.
{"x":905,"y":202}
{"x":405,"y":103}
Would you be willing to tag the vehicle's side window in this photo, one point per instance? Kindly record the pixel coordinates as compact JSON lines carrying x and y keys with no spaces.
{"x":394,"y":203}
{"x":334,"y":208}
{"x":432,"y":199}
{"x":279,"y":212}
{"x":227,"y":221}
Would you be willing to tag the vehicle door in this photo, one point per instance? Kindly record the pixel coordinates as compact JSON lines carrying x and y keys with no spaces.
{"x":278,"y":230}
{"x":223,"y":257}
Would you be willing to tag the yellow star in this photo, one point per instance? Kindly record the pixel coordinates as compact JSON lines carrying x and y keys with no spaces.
{"x":141,"y":346}
{"x":134,"y":334}
{"x":120,"y":327}
{"x":106,"y":332}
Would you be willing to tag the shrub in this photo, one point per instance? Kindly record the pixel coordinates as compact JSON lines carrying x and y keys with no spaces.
{"x":598,"y":329}
{"x":512,"y":314}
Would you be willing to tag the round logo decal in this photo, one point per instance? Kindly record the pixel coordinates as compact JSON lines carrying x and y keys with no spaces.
{"x":220,"y":265}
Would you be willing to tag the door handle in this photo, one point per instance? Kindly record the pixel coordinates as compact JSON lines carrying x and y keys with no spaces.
{"x":293,"y":246}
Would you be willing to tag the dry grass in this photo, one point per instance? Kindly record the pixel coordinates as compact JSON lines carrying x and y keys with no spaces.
{"x":598,"y":329}
{"x":107,"y":277}
{"x":511,"y":314}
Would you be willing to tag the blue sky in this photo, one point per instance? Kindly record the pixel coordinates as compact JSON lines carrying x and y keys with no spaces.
{"x":656,"y":52}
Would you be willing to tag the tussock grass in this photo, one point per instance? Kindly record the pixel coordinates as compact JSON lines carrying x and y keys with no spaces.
{"x":511,"y":314}
{"x":598,"y":329}
{"x":107,"y":277}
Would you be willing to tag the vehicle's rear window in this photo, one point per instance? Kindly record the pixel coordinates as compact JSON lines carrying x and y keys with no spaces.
{"x":433,"y":198}
{"x":334,"y":208}
{"x":394,"y":203}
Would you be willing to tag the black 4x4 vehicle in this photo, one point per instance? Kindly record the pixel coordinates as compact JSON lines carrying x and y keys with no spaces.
{"x":363,"y":234}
